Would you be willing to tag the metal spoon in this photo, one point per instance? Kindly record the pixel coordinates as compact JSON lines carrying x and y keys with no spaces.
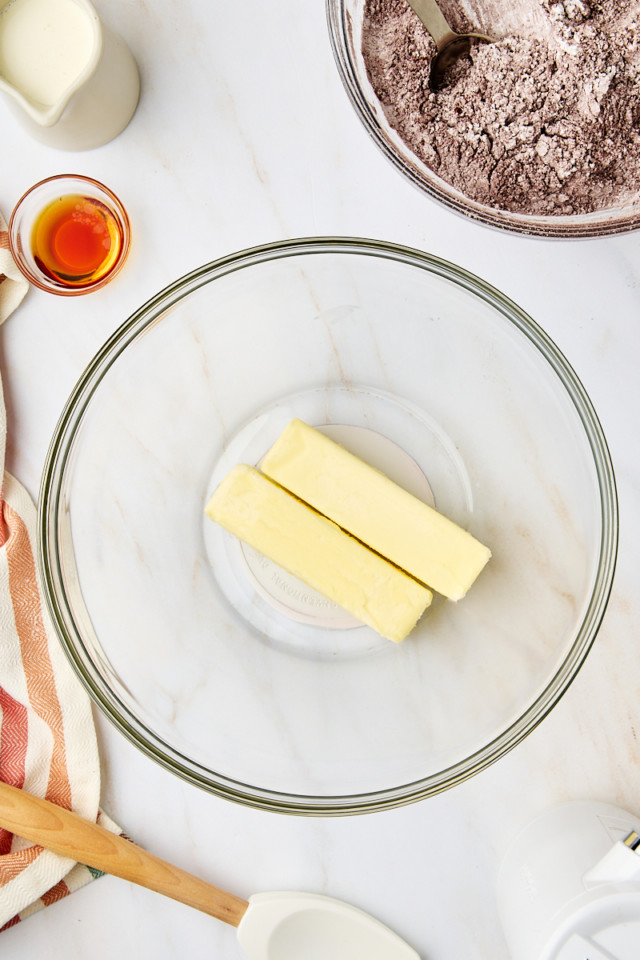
{"x":270,"y":926}
{"x":450,"y":46}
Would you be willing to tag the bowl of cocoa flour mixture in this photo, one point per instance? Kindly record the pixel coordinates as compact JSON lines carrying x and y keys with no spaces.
{"x":538,"y":132}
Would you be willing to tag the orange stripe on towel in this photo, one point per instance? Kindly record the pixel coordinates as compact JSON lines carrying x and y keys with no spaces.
{"x":56,"y":893}
{"x":4,"y":529}
{"x":13,"y":742}
{"x":39,"y":673}
{"x":13,"y":751}
{"x":15,"y":863}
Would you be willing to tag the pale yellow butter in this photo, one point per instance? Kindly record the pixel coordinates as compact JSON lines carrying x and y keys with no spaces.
{"x":373,"y":508}
{"x":318,"y":552}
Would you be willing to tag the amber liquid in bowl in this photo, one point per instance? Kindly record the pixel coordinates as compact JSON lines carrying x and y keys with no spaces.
{"x":76,"y":240}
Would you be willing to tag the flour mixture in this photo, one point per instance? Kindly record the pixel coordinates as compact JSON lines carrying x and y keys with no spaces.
{"x":546,"y":121}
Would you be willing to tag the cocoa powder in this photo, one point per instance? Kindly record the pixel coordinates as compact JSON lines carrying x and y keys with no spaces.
{"x":545,"y":121}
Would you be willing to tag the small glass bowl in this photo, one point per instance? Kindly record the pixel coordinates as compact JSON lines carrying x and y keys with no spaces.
{"x":25,"y":217}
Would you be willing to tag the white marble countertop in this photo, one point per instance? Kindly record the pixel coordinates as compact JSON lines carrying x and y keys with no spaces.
{"x":245,"y":135}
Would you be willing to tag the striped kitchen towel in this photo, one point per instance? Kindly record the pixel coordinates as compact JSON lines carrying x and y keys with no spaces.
{"x":47,"y":738}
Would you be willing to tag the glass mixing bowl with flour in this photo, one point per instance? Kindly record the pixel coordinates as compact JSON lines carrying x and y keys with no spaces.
{"x":538,"y":132}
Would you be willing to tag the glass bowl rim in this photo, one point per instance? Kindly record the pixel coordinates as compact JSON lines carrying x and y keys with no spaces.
{"x":50,"y":510}
{"x":117,"y":208}
{"x":578,"y":226}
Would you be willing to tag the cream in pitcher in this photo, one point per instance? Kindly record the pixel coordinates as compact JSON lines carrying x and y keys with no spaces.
{"x":45,"y":45}
{"x":69,"y":79}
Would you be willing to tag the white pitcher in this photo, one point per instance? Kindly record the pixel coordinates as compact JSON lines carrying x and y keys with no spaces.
{"x":71,"y":82}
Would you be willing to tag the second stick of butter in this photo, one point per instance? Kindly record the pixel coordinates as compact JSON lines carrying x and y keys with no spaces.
{"x":373,"y":508}
{"x":318,"y":552}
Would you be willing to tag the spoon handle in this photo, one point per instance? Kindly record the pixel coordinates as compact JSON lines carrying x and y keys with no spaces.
{"x":433,"y":19}
{"x":69,"y":835}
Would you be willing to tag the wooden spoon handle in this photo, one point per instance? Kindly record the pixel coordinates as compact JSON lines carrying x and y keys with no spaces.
{"x":55,"y":828}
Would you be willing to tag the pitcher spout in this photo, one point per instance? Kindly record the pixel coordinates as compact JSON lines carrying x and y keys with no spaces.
{"x":48,"y":50}
{"x":70,"y":81}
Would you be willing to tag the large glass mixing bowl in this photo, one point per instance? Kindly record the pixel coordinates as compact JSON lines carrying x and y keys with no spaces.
{"x":222,"y":667}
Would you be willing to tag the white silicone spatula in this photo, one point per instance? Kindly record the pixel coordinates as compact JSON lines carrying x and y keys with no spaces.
{"x":271,"y":926}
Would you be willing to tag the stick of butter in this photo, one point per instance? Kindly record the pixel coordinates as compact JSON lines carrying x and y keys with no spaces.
{"x":318,"y":552}
{"x":376,"y":510}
